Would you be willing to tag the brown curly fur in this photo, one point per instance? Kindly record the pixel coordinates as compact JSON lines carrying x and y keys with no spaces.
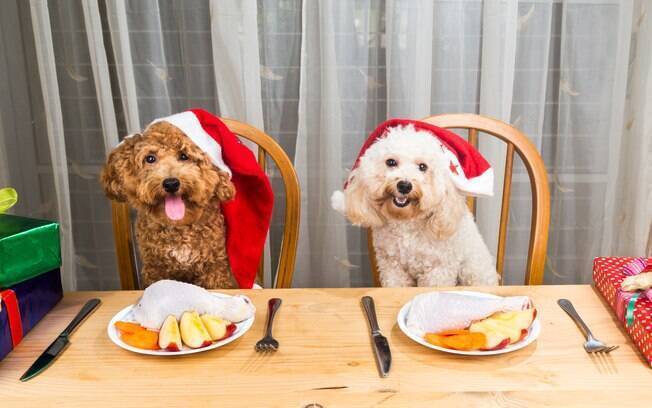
{"x":191,"y":249}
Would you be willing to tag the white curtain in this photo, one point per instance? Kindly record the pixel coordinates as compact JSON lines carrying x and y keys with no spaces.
{"x":319,"y":76}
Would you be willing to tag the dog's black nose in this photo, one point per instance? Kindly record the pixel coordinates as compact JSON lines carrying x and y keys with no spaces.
{"x":171,"y":185}
{"x":404,"y":186}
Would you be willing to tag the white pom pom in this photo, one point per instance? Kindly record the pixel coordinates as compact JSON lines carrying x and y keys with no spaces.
{"x":338,"y":202}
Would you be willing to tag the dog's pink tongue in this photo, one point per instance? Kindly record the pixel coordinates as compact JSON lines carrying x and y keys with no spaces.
{"x":174,"y":207}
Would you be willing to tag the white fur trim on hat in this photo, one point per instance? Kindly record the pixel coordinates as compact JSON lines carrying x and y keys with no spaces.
{"x":480,"y":185}
{"x":338,"y":201}
{"x":188,"y":123}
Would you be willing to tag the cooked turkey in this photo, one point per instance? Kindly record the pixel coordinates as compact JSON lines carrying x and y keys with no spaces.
{"x":169,"y":297}
{"x":435,"y":312}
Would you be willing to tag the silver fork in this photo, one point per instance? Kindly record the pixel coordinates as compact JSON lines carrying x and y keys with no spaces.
{"x":592,"y":345}
{"x":269,"y":343}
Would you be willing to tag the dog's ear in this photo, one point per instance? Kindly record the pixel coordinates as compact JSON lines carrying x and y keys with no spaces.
{"x":359,"y":207}
{"x":224,"y":190}
{"x":118,"y":167}
{"x":446,"y":213}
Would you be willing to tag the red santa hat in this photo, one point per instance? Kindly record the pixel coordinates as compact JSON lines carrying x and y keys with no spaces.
{"x":470,"y":172}
{"x":248,"y":214}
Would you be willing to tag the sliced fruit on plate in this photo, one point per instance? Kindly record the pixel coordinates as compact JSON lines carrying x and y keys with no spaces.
{"x":216,"y":326}
{"x":193,"y":331}
{"x":128,"y":327}
{"x":457,"y":340}
{"x":504,"y":328}
{"x":142,"y":339}
{"x":169,"y":338}
{"x":230,"y":329}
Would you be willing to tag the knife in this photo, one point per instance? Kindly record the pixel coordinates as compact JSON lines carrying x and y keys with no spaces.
{"x":60,"y":343}
{"x":378,"y":341}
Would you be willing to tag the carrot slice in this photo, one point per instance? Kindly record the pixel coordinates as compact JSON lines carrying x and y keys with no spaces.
{"x":128,"y":327}
{"x":457,"y":340}
{"x":434,"y":339}
{"x":145,"y":339}
{"x":453,"y":332}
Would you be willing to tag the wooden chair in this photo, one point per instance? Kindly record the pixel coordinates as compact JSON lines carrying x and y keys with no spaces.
{"x":125,"y":249}
{"x":519,"y":142}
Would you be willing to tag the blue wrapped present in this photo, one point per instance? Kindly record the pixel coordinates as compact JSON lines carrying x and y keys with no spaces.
{"x":25,"y":304}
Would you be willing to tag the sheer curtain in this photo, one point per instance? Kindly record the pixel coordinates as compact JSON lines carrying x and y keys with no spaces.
{"x":318,"y":76}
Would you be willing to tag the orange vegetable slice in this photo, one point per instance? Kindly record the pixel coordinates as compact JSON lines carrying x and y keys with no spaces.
{"x":457,"y":340}
{"x":128,"y":327}
{"x":143,"y":339}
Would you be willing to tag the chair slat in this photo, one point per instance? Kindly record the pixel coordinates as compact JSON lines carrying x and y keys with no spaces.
{"x":124,"y":245}
{"x":261,"y":265}
{"x":471,"y":201}
{"x":504,"y":212}
{"x":261,"y":158}
{"x":372,"y":257}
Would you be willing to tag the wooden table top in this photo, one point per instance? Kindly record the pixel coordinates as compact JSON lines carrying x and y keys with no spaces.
{"x":325,"y":359}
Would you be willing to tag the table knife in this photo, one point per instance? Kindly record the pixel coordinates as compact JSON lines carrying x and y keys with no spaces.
{"x":58,"y":346}
{"x":378,"y":341}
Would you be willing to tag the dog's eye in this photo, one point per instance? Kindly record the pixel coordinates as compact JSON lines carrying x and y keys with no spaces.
{"x":423,"y":167}
{"x":391,"y":163}
{"x":183,"y":157}
{"x":150,"y":158}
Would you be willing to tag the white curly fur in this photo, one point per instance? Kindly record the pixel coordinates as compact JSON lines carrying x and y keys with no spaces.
{"x":433,"y":240}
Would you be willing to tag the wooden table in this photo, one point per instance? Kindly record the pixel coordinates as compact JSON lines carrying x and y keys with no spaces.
{"x":326,"y":359}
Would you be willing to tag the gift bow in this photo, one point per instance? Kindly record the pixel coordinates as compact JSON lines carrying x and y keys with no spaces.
{"x":635,"y":267}
{"x":8,"y":197}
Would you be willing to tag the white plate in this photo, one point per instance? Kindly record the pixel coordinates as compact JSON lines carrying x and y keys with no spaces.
{"x":126,"y":315}
{"x":532,"y":335}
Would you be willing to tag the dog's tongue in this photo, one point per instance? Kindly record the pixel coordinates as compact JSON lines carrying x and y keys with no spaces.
{"x":174,"y":207}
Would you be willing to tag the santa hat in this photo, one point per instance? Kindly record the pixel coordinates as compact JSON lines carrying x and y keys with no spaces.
{"x":248,"y":214}
{"x":470,"y":172}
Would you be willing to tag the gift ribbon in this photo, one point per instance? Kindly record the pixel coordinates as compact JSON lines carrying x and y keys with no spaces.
{"x":8,"y":296}
{"x":635,"y":267}
{"x":8,"y":197}
{"x":629,"y":314}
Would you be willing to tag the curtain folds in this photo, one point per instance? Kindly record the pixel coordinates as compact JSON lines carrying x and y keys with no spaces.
{"x":55,"y":131}
{"x":318,"y":76}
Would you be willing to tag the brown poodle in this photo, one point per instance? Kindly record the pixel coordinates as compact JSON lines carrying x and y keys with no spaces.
{"x":185,"y":240}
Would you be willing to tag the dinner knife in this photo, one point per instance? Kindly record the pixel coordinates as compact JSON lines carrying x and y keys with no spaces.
{"x":378,"y":341}
{"x":58,"y":346}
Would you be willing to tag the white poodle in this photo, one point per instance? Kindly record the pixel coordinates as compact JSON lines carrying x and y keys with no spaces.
{"x":403,"y":188}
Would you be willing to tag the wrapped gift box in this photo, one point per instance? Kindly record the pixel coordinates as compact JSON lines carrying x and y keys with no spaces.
{"x":28,"y":248}
{"x":608,"y":273}
{"x":30,"y":280}
{"x":25,"y":304}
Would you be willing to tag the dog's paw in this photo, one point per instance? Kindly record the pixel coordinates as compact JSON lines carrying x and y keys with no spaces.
{"x":338,"y":201}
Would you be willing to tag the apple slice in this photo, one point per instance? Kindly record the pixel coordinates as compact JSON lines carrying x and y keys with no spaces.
{"x":519,"y":321}
{"x":505,"y":325}
{"x":169,"y":337}
{"x":193,"y":331}
{"x":515,"y":323}
{"x":216,"y":327}
{"x":495,"y":339}
{"x":230,"y":329}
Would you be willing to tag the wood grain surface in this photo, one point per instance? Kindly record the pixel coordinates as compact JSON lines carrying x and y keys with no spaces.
{"x":325,"y":359}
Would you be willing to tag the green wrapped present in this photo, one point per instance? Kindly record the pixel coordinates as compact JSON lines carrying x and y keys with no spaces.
{"x":28,"y":248}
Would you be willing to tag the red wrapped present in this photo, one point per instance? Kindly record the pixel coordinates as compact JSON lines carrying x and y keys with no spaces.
{"x":633,"y":309}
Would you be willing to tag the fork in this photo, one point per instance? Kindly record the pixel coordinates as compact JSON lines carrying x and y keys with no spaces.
{"x":269,"y":343}
{"x":592,"y":345}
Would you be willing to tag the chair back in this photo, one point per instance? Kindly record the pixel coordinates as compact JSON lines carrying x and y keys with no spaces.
{"x":516,"y":142}
{"x":123,"y":235}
